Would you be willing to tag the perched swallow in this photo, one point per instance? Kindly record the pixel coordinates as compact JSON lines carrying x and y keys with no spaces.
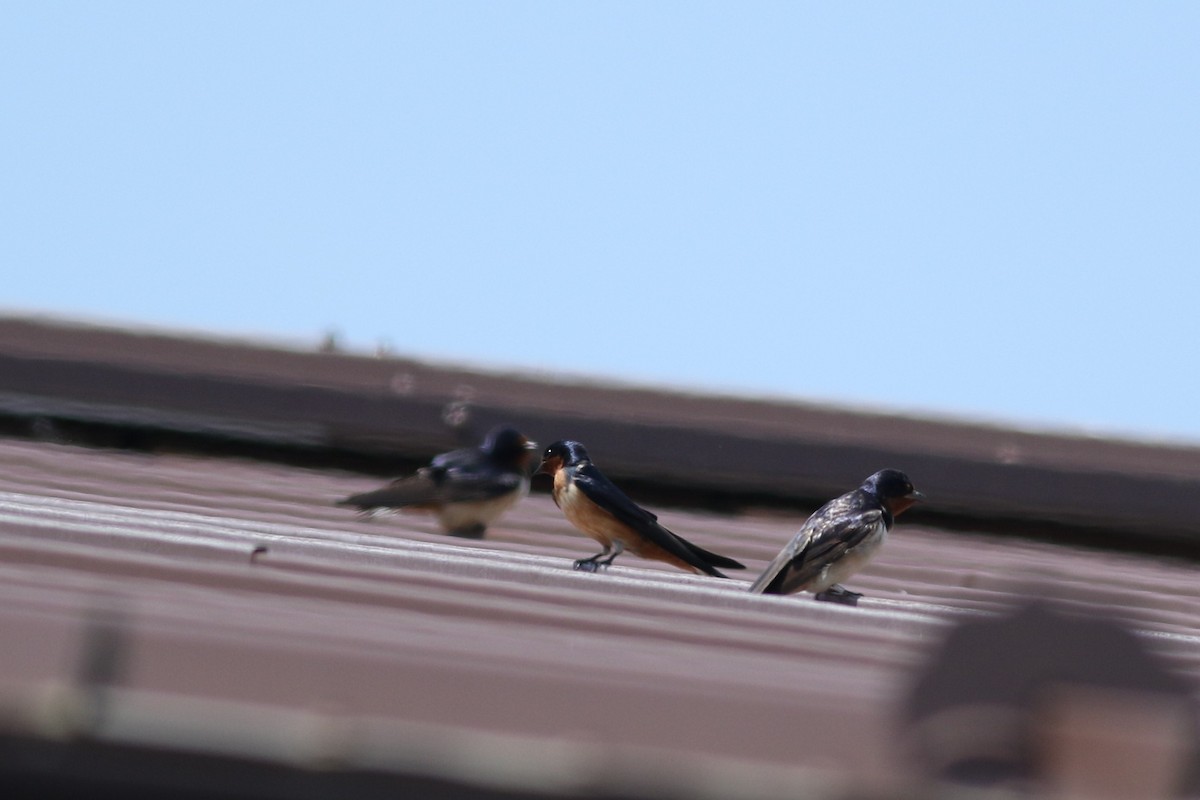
{"x":592,"y":503}
{"x":469,"y":488}
{"x":839,"y":539}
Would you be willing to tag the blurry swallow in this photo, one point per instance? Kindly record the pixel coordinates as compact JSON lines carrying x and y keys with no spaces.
{"x":839,"y":539}
{"x":592,"y":503}
{"x":468,"y":489}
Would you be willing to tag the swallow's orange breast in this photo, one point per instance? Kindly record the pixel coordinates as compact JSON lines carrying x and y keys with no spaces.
{"x":585,"y":515}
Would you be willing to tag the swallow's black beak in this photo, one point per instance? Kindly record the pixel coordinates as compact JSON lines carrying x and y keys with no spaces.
{"x":549,"y":465}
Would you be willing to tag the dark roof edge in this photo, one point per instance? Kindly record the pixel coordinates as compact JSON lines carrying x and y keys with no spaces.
{"x":722,"y":446}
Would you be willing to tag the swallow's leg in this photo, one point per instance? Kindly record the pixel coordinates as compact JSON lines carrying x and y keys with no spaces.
{"x":470,"y":531}
{"x":839,"y":594}
{"x":618,"y":548}
{"x":592,"y":564}
{"x":588,"y":564}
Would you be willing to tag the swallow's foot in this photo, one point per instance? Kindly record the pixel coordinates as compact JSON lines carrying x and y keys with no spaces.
{"x":475,"y":531}
{"x":587,"y":565}
{"x":839,"y":594}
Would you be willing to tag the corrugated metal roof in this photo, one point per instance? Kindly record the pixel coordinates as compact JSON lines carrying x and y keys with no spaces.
{"x":388,"y":631}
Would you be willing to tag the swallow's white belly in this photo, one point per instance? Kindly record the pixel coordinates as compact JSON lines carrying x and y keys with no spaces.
{"x":454,"y":516}
{"x":854,"y":560}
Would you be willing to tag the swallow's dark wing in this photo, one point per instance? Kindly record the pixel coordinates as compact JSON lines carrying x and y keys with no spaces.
{"x":415,"y":491}
{"x":441,"y":483}
{"x":468,"y":458}
{"x":833,"y":529}
{"x":708,"y":556}
{"x":604,"y":493}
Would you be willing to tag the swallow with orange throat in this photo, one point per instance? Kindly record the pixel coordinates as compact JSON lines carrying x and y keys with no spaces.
{"x":592,"y":503}
{"x":838,"y":540}
{"x":468,"y":489}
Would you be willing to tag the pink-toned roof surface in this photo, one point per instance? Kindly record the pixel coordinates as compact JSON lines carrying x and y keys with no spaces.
{"x":350,"y":641}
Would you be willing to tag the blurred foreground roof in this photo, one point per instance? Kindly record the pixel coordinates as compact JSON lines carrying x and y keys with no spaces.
{"x":185,"y":612}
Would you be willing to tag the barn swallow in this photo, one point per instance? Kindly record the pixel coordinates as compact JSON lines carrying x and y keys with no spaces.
{"x":839,"y":539}
{"x":468,"y":489}
{"x":592,"y":503}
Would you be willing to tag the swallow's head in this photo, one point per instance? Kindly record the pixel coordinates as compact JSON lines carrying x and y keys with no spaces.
{"x":508,"y":446}
{"x":563,"y":453}
{"x":894,"y":490}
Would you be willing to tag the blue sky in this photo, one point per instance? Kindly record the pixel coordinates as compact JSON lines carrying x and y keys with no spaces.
{"x":987,"y":210}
